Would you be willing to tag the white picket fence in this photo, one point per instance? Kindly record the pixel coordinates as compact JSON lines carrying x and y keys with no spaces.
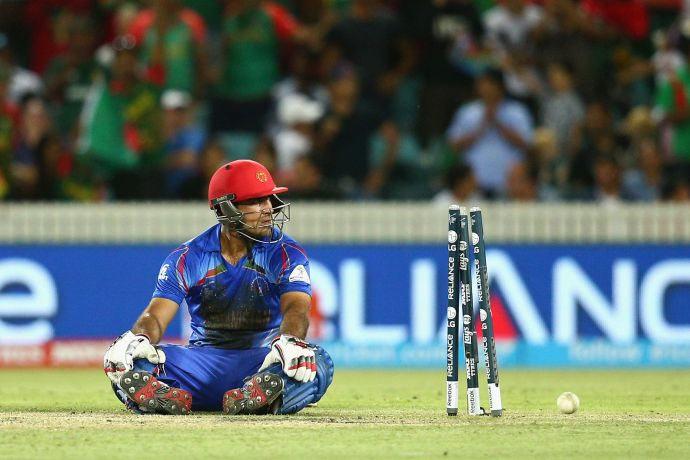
{"x":368,"y":222}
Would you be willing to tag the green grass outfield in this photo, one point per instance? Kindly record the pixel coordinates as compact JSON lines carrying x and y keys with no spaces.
{"x":366,"y":414}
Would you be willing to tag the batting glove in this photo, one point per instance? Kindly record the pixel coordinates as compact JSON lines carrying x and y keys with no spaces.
{"x":295,"y":355}
{"x":120,"y":356}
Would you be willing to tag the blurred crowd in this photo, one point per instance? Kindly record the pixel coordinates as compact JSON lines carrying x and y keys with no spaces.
{"x":444,"y":100}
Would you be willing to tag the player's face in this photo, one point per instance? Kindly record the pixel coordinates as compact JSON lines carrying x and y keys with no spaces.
{"x":257,"y":216}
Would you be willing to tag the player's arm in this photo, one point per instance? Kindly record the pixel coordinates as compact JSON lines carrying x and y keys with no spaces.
{"x":290,"y":350}
{"x":295,"y":309}
{"x":139,"y":341}
{"x":154,"y":320}
{"x":171,"y":288}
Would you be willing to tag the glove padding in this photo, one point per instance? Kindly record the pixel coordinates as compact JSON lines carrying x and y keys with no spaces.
{"x":296,"y":357}
{"x":121,"y":354}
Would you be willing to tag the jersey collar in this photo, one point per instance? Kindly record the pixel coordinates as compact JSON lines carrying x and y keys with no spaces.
{"x":212,"y":243}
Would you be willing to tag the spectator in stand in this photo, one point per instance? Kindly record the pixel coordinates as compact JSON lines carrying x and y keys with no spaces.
{"x":552,"y":164}
{"x":317,"y":18}
{"x":305,"y":80}
{"x":211,"y":158}
{"x":629,"y":18}
{"x":608,"y":181}
{"x":645,"y":181}
{"x":249,"y":65}
{"x":8,"y":129}
{"x":183,"y":140}
{"x":666,"y":60}
{"x":395,"y":166}
{"x":344,"y":134}
{"x":449,"y":34}
{"x":210,"y":11}
{"x":593,"y":137}
{"x":39,"y":162}
{"x":384,"y":161}
{"x":295,"y":138}
{"x":637,"y":128}
{"x":356,"y":60}
{"x":510,"y":24}
{"x":312,"y":185}
{"x":120,"y":128}
{"x":461,"y":187}
{"x":123,"y":18}
{"x":632,"y":82}
{"x":491,"y":134}
{"x":305,"y":77}
{"x":21,"y":81}
{"x":70,"y":75}
{"x":374,"y":43}
{"x":677,"y":190}
{"x":265,"y":153}
{"x":522,"y":182}
{"x":673,"y":109}
{"x":561,"y":107}
{"x":567,"y":33}
{"x":50,"y":22}
{"x":523,"y":80}
{"x":171,"y":41}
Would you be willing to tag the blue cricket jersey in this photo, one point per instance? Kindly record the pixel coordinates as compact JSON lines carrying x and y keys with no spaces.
{"x":233,"y":306}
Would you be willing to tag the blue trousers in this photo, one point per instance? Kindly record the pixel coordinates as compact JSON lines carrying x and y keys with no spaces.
{"x":207,"y":373}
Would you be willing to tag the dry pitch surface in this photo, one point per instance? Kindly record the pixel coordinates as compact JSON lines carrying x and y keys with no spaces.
{"x":366,"y":414}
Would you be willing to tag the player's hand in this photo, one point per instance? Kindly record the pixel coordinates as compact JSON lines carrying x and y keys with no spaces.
{"x":120,"y":356}
{"x":296,"y":357}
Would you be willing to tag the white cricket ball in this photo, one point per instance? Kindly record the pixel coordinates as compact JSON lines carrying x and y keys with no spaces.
{"x":568,"y":402}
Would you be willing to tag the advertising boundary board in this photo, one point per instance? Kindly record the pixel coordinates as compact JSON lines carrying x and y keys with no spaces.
{"x":380,"y":305}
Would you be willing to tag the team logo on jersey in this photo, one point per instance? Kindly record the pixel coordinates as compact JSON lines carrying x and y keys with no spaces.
{"x":299,"y":273}
{"x":261,"y":176}
{"x":260,"y":286}
{"x":163,"y":274}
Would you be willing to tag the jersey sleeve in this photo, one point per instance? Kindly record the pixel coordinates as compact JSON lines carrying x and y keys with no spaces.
{"x":290,"y":267}
{"x":173,"y":277}
{"x":196,"y":24}
{"x":141,"y":24}
{"x":285,"y":24}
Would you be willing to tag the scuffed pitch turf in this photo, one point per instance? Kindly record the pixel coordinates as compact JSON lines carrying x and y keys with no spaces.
{"x":366,"y":414}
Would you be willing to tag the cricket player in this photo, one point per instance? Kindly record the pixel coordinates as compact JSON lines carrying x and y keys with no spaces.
{"x":247,"y":287}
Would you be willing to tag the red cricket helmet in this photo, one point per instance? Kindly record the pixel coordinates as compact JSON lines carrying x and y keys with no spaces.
{"x":242,"y":180}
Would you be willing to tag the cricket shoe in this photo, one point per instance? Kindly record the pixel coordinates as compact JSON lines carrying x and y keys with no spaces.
{"x":153,"y":396}
{"x":257,"y":396}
